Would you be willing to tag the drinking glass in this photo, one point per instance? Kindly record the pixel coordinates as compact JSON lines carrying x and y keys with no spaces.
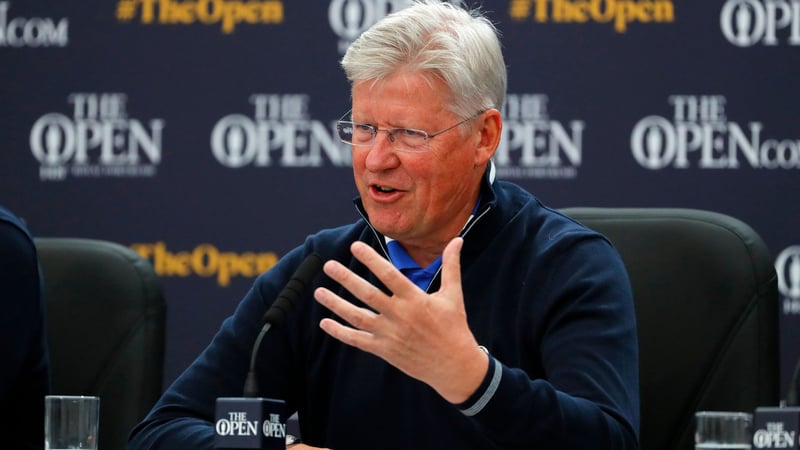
{"x":723,"y":430}
{"x":71,"y":422}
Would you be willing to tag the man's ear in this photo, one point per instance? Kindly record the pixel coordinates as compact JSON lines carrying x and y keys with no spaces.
{"x":490,"y":126}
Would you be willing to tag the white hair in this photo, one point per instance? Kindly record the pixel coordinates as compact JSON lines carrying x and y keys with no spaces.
{"x":459,"y":46}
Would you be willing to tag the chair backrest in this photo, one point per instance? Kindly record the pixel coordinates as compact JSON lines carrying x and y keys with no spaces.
{"x":105,"y":314}
{"x":705,"y":291}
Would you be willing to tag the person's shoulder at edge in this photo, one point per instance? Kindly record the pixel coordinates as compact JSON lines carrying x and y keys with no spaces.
{"x":16,"y":237}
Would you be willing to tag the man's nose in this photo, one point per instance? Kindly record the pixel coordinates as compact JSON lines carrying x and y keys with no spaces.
{"x":382,"y":153}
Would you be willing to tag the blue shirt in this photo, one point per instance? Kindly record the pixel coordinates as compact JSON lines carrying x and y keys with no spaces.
{"x":403,"y":261}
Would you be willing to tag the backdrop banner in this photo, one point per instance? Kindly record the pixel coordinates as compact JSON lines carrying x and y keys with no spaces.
{"x":201,"y":132}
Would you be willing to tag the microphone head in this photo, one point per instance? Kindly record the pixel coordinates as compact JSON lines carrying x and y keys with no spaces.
{"x":294,"y":289}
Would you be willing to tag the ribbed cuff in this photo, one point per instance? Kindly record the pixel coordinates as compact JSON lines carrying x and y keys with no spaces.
{"x":488,"y":387}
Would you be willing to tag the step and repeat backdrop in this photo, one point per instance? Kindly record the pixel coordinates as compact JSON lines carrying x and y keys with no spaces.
{"x":201,"y":132}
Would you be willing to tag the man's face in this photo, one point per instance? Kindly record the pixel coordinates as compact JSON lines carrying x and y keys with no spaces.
{"x":420,"y":199}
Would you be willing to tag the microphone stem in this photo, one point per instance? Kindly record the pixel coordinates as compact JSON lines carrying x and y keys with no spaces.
{"x":251,"y":385}
{"x":257,"y":345}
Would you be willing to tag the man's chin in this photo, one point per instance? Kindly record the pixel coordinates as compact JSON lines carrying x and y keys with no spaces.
{"x":390,"y":228}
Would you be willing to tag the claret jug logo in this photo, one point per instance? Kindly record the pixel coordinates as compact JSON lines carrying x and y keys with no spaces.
{"x":280,"y":133}
{"x":620,"y":13}
{"x":700,"y":133}
{"x":349,"y":18}
{"x":31,"y":32}
{"x":745,"y":23}
{"x":535,"y":146}
{"x":99,"y":140}
{"x":227,"y":13}
{"x":788,"y":267}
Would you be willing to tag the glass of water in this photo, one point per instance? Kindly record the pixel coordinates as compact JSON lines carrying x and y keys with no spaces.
{"x":723,"y":430}
{"x":71,"y":422}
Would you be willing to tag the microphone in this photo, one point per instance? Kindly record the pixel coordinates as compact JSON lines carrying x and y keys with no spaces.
{"x":276,"y":313}
{"x":252,"y":421}
{"x":295,"y":288}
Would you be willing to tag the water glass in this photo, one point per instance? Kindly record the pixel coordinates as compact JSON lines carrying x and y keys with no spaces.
{"x":71,"y":422}
{"x":718,"y":430}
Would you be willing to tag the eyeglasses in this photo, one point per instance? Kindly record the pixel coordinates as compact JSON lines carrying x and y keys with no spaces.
{"x":403,"y":139}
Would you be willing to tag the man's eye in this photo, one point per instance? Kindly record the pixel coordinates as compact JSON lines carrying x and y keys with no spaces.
{"x":360,"y":127}
{"x":411,"y":133}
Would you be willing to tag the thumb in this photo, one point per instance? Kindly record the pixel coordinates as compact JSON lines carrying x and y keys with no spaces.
{"x":451,"y":265}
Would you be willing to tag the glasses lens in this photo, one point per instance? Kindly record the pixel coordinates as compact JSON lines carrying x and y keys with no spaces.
{"x":410,"y":140}
{"x":355,"y":133}
{"x":362,"y":134}
{"x":345,"y":131}
{"x":403,"y":139}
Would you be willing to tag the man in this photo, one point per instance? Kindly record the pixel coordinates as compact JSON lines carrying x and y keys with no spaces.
{"x":459,"y":312}
{"x":25,"y":378}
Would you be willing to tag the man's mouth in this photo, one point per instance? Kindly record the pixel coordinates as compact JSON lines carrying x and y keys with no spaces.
{"x":383,"y":189}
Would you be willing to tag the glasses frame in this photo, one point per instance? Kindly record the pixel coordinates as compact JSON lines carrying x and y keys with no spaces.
{"x":390,"y":132}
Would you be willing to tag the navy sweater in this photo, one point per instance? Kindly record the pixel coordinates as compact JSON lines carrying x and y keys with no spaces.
{"x":549,"y":298}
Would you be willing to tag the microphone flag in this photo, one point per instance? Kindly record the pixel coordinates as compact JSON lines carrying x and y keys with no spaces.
{"x":250,"y":423}
{"x":776,"y":427}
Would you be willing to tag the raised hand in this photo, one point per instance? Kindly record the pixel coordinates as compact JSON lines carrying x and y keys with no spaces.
{"x":424,"y":335}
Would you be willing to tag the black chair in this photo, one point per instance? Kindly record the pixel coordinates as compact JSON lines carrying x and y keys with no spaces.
{"x":106,"y":324}
{"x":705,"y":291}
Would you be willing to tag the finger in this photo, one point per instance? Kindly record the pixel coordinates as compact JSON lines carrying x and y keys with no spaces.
{"x":359,"y":287}
{"x":360,"y":318}
{"x":392,"y":278}
{"x":350,"y":336}
{"x":451,"y":265}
